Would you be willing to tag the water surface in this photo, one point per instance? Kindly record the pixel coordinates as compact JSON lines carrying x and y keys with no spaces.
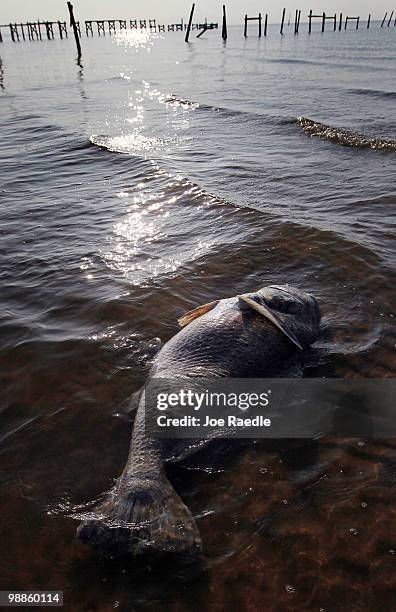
{"x":147,"y":179}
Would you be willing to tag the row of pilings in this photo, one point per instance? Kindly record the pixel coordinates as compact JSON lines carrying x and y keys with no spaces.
{"x":337,"y":22}
{"x":43,"y":30}
{"x":48,"y":30}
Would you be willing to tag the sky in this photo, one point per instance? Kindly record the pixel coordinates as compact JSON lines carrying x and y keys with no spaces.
{"x":169,"y":11}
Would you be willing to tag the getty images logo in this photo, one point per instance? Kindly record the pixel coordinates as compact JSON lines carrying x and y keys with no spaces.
{"x":195,"y":400}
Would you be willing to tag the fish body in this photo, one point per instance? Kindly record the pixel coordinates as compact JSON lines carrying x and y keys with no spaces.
{"x":262,"y":334}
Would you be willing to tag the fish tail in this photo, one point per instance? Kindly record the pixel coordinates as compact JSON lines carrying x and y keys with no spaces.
{"x":141,"y":516}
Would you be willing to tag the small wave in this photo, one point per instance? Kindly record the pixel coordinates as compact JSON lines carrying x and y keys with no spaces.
{"x":225,"y":111}
{"x":374,"y":93}
{"x":290,"y":60}
{"x":183,"y":102}
{"x":344,"y":137}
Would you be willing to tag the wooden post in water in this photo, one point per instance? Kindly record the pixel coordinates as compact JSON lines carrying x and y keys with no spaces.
{"x":75,"y":30}
{"x":14,"y":32}
{"x":39,"y":29}
{"x":310,"y":22}
{"x":259,"y":19}
{"x":335,"y":21}
{"x":340,"y":23}
{"x":190,"y":22}
{"x":34,"y":31}
{"x":265,"y":24}
{"x":368,"y":21}
{"x":357,"y":23}
{"x":390,"y":19}
{"x":346,"y":23}
{"x":323,"y":21}
{"x":383,"y":21}
{"x":224,"y":28}
{"x":283,"y":21}
{"x":205,"y":27}
{"x":298,"y":22}
{"x":295,"y":22}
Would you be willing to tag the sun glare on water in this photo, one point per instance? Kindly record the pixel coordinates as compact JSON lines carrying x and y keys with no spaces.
{"x":136,"y":39}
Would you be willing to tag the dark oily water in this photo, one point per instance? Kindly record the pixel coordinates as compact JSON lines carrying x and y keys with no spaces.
{"x":152,"y":178}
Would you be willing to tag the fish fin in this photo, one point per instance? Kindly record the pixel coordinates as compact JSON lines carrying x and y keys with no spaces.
{"x":197,"y":312}
{"x":141,"y":516}
{"x":269,"y":314}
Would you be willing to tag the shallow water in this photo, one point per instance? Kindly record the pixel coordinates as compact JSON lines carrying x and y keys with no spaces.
{"x":151,"y":178}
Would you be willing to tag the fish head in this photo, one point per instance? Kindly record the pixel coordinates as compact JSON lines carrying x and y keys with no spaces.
{"x":293,"y":311}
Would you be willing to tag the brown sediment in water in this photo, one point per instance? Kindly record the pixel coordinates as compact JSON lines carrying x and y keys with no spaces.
{"x":274,"y":537}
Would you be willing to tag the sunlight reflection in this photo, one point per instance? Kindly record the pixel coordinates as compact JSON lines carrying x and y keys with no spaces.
{"x":142,"y":232}
{"x":128,"y":143}
{"x":136,"y":39}
{"x":140,"y":246}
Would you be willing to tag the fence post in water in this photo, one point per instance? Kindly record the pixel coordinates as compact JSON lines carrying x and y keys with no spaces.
{"x":335,"y":22}
{"x":340,"y":23}
{"x":259,"y":20}
{"x":310,"y":22}
{"x":34,"y":31}
{"x":323,"y":21}
{"x":74,"y":26}
{"x":265,"y":24}
{"x":245,"y":29}
{"x":203,"y":30}
{"x":224,"y":29}
{"x":39,"y":29}
{"x":1,"y":37}
{"x":390,"y":19}
{"x":298,"y":22}
{"x":383,"y":21}
{"x":283,"y":20}
{"x":357,"y":23}
{"x":190,"y":22}
{"x":14,"y":32}
{"x":346,"y":23}
{"x":368,"y":21}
